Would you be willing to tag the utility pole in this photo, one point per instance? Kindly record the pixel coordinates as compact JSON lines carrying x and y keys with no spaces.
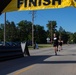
{"x":4,"y":28}
{"x":32,"y":28}
{"x":51,"y":31}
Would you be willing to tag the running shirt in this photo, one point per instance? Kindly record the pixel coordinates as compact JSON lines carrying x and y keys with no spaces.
{"x":60,"y":42}
{"x":55,"y":41}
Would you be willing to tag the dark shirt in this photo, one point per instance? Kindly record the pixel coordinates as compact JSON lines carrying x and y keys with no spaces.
{"x":55,"y":40}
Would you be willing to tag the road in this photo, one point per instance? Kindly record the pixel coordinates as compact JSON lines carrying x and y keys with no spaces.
{"x":43,"y":62}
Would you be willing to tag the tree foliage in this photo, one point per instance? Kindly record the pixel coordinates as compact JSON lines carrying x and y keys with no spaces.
{"x":52,"y":25}
{"x":22,"y":31}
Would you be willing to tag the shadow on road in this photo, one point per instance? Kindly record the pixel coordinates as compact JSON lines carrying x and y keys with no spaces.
{"x":59,"y":62}
{"x":17,"y":64}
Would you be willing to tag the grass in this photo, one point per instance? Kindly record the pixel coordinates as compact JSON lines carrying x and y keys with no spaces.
{"x":41,"y":46}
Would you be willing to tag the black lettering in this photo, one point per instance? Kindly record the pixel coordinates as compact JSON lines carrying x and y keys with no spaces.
{"x":39,"y":3}
{"x":75,"y":0}
{"x":25,"y":5}
{"x":34,"y":2}
{"x":19,"y":2}
{"x":48,"y":2}
{"x":59,"y":2}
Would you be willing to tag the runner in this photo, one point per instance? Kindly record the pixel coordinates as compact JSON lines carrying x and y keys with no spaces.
{"x":60,"y":42}
{"x":55,"y":43}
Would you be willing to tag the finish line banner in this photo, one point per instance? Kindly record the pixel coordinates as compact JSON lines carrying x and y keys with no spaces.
{"x":19,"y":5}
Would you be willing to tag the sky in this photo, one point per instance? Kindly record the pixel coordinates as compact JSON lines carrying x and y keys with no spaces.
{"x":65,"y":17}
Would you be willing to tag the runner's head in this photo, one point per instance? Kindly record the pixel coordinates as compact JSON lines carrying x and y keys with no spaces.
{"x":54,"y":34}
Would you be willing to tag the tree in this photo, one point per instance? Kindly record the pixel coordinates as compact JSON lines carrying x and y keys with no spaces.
{"x":11,"y":31}
{"x":25,"y":30}
{"x":52,"y":25}
{"x":40,"y":34}
{"x":1,"y":32}
{"x":61,"y":30}
{"x":74,"y":37}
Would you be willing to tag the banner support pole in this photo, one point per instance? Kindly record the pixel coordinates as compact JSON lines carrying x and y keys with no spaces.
{"x":4,"y":28}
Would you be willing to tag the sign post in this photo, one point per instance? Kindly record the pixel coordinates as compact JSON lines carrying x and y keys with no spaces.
{"x":24,"y":47}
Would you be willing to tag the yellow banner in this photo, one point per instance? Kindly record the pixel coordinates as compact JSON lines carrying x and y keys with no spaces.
{"x":18,"y":5}
{"x":74,"y":3}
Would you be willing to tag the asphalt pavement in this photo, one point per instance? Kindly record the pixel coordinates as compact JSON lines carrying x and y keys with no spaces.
{"x":43,"y":62}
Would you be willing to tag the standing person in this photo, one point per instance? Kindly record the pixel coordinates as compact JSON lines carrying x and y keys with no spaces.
{"x":60,"y":42}
{"x":55,"y":43}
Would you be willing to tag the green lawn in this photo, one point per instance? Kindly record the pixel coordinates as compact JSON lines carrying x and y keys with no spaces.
{"x":41,"y":46}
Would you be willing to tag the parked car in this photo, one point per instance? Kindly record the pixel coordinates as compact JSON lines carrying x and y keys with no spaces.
{"x":29,"y":43}
{"x":1,"y":44}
